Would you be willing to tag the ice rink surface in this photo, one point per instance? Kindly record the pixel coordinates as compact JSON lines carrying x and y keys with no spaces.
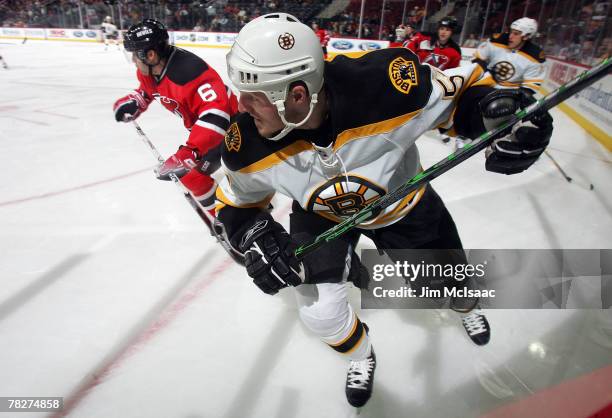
{"x":114,"y":296}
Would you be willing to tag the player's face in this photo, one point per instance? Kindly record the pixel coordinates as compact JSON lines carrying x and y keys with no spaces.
{"x":142,"y":67}
{"x":264,"y":113}
{"x":515,"y":39}
{"x":444,"y":34}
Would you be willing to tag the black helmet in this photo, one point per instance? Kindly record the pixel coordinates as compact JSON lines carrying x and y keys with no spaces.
{"x":449,"y":22}
{"x":147,"y":35}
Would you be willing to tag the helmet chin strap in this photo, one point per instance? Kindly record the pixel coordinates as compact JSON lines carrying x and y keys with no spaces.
{"x":289,"y":126}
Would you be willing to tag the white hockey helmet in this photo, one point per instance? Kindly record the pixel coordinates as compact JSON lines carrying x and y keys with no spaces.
{"x":108,"y":19}
{"x":527,"y":26}
{"x":271,"y":52}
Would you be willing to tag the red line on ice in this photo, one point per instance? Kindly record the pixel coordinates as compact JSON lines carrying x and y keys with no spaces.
{"x":71,"y":189}
{"x":162,"y":322}
{"x":165,"y":319}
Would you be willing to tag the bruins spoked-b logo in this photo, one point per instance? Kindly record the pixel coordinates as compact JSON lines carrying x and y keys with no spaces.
{"x":337,"y":199}
{"x":403,"y":74}
{"x":503,"y":71}
{"x":286,"y":41}
{"x":233,"y":140}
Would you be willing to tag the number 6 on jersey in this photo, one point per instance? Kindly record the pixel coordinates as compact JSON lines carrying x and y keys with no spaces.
{"x":207,"y":93}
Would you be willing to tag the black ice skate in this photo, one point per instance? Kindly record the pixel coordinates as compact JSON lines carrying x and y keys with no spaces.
{"x":360,"y":380}
{"x":477,"y":327}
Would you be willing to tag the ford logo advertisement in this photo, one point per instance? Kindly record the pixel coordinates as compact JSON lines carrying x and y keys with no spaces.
{"x":78,"y":33}
{"x":342,"y":45}
{"x":90,"y":34}
{"x":368,"y":46}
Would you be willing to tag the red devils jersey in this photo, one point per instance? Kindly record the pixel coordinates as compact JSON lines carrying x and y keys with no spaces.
{"x":192,"y":90}
{"x":323,"y":36}
{"x":429,"y":51}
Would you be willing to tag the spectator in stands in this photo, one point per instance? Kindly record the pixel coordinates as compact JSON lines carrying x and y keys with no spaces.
{"x":215,"y":24}
{"x":403,"y":35}
{"x":605,"y":51}
{"x":570,"y":52}
{"x":588,"y":51}
{"x":471,"y":42}
{"x":199,"y":27}
{"x":366,"y":31}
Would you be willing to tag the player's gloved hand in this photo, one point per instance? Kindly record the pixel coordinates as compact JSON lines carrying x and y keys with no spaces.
{"x":520,"y":148}
{"x":269,"y":255}
{"x":131,"y":106}
{"x":179,"y":164}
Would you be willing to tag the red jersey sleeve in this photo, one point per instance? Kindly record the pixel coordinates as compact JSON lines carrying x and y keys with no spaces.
{"x":207,"y":98}
{"x":455,"y":60}
{"x":414,"y":42}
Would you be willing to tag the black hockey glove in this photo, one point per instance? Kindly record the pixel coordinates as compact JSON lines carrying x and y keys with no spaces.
{"x":269,"y":255}
{"x":131,"y":106}
{"x":523,"y":145}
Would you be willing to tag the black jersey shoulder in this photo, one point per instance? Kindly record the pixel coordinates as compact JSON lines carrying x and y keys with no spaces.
{"x":375,"y":87}
{"x":533,"y":51}
{"x":244,"y":146}
{"x":500,"y":38}
{"x":184,"y":66}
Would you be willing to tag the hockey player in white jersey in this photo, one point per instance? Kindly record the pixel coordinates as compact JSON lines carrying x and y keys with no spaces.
{"x":512,"y":58}
{"x":109,"y":32}
{"x":333,"y":136}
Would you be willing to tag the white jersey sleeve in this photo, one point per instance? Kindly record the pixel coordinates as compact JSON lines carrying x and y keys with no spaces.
{"x":243,"y":190}
{"x":483,"y":52}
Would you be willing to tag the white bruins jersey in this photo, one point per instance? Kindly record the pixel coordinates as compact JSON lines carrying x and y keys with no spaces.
{"x":108,"y":29}
{"x":512,"y":68}
{"x":380,"y":103}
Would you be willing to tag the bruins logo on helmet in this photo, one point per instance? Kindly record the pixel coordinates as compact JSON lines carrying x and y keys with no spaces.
{"x":337,"y":199}
{"x":286,"y":41}
{"x":233,"y":140}
{"x":503,"y":71}
{"x":403,"y":74}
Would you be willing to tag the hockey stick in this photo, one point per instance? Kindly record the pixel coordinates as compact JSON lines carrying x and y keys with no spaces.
{"x":564,"y":174}
{"x":376,"y":207}
{"x":204,"y":215}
